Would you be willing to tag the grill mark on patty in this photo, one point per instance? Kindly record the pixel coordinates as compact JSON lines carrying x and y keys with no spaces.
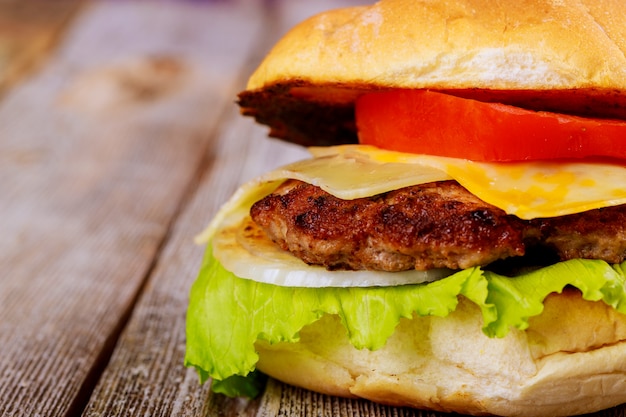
{"x":433,"y":225}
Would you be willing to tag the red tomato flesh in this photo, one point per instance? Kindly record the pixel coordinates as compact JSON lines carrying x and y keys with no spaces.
{"x":427,"y":122}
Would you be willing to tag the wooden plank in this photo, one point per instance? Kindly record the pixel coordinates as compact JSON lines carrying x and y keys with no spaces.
{"x":96,"y":154}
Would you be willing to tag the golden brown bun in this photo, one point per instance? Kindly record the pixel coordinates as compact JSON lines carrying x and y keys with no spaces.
{"x":561,"y":55}
{"x":571,"y":360}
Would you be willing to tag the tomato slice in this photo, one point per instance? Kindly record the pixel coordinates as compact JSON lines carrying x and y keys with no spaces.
{"x":428,"y":122}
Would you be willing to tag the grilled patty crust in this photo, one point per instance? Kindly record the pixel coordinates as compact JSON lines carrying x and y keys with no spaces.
{"x":435,"y":225}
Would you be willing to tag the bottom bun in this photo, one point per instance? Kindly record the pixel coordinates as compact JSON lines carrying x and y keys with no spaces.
{"x":571,"y":360}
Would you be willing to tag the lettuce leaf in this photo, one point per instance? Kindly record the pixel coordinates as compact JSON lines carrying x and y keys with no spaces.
{"x":227,"y":314}
{"x":240,"y":386}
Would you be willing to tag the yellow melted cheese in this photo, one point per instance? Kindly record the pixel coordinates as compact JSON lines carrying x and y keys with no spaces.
{"x":525,"y":189}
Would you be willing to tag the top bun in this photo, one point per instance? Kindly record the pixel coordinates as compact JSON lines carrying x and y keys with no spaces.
{"x":559,"y":55}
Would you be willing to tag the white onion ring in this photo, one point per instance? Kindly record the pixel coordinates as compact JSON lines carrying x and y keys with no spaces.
{"x":251,"y":255}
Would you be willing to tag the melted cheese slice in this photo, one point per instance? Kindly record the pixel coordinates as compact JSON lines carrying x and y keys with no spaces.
{"x":525,"y":189}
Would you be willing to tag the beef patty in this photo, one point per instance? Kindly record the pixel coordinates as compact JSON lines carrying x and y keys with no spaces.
{"x":435,"y":225}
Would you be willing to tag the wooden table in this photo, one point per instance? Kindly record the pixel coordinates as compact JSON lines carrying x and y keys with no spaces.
{"x":115,"y":150}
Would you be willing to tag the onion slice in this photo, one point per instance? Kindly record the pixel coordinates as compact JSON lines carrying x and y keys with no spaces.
{"x":245,"y":250}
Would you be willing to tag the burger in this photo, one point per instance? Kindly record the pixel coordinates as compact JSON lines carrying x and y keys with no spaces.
{"x":457,"y":239}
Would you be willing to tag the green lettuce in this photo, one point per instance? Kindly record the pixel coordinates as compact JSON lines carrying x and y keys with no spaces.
{"x":227,"y":314}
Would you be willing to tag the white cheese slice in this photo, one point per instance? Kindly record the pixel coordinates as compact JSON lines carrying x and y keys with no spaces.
{"x":525,"y":189}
